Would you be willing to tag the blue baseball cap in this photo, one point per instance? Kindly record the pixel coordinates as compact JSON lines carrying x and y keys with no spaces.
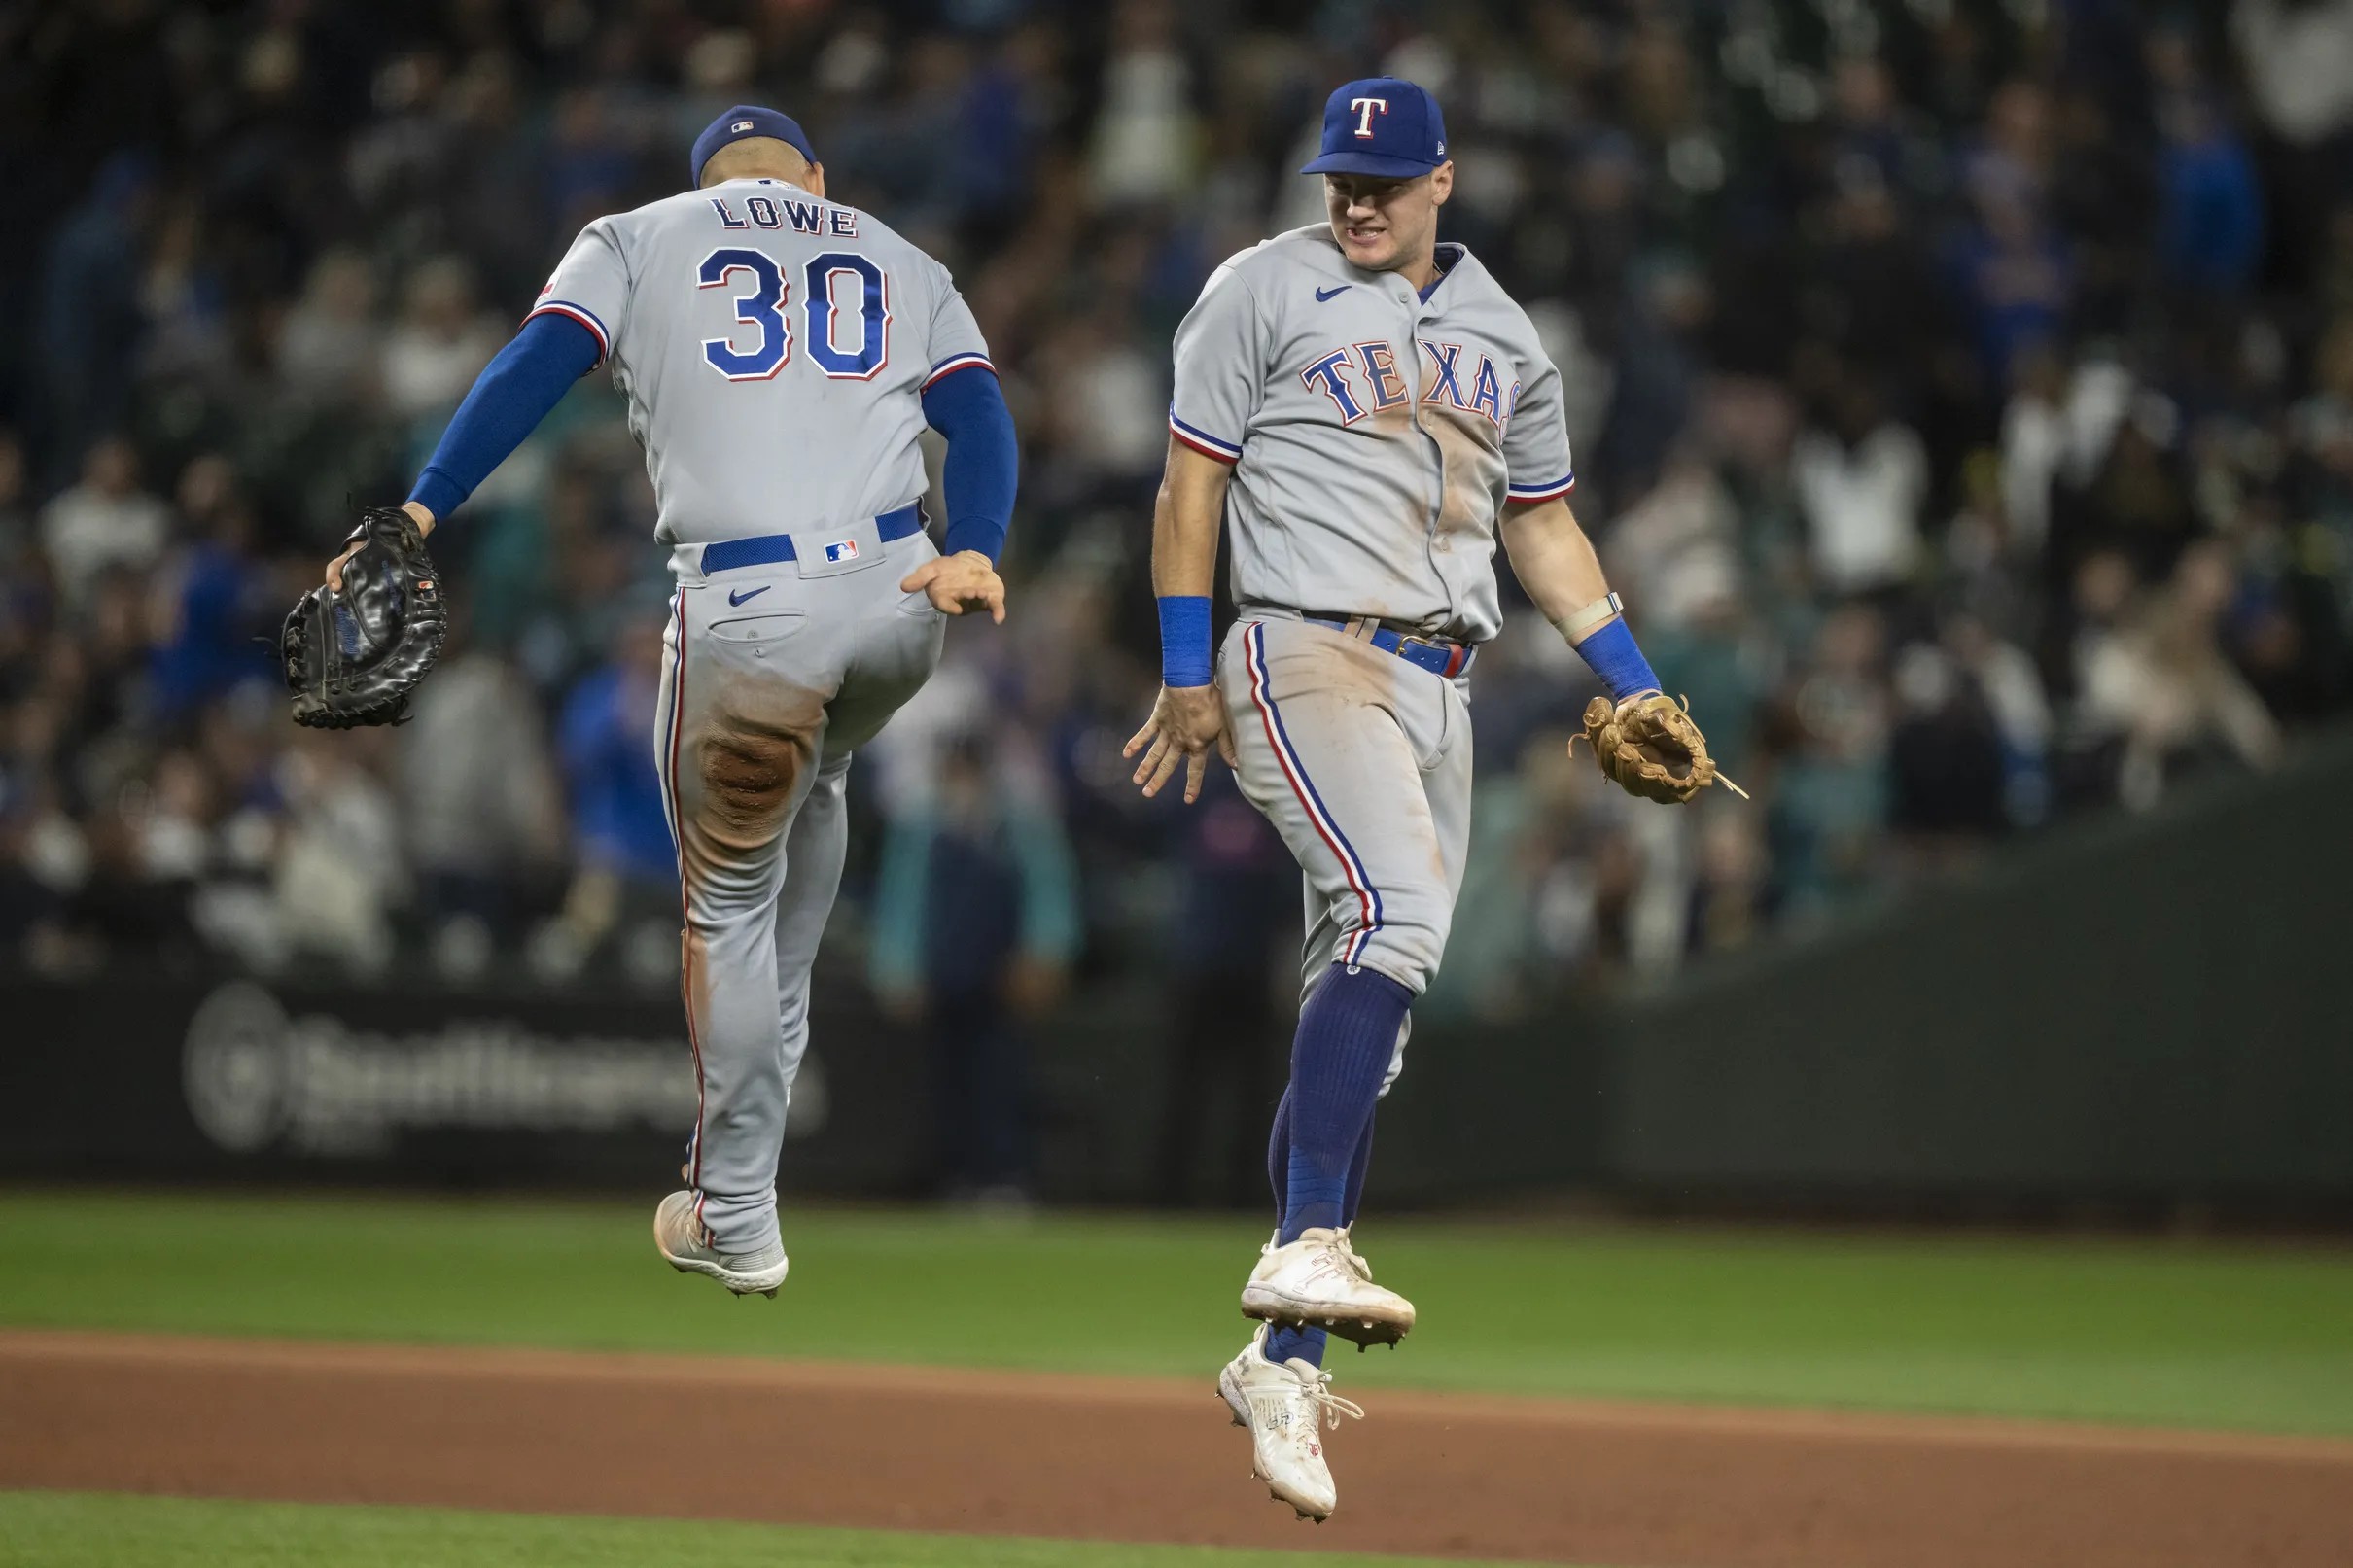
{"x":1382,"y":126}
{"x":742,"y":121}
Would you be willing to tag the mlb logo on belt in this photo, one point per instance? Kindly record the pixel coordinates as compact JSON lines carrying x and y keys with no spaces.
{"x":845,"y":550}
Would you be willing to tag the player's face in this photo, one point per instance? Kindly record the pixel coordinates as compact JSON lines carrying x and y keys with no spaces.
{"x":1383,"y":224}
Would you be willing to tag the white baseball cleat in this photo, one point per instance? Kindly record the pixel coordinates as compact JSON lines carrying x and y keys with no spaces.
{"x":1287,"y":1407}
{"x":681,"y":1234}
{"x":1319,"y":1281}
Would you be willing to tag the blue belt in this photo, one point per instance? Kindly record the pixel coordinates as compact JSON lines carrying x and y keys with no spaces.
{"x":765,"y":549}
{"x":1443,"y":658}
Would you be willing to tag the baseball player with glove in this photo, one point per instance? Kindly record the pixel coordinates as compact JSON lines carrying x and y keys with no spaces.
{"x":1372,"y":414}
{"x":781,"y":352}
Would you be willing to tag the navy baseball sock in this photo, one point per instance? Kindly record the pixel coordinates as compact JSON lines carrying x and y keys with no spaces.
{"x":1279,"y":1164}
{"x":1348,"y":1031}
{"x":1278,"y":1154}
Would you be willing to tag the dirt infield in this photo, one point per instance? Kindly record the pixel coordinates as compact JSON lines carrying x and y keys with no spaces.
{"x":1640,"y":1486}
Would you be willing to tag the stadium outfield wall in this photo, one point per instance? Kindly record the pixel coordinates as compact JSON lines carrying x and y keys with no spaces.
{"x":2143,"y":1015}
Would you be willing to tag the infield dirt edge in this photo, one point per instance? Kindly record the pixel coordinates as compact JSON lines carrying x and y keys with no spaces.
{"x":1085,"y":1457}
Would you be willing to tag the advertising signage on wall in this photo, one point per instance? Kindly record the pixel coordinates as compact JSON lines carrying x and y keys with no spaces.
{"x":257,"y":1076}
{"x":243,"y":1078}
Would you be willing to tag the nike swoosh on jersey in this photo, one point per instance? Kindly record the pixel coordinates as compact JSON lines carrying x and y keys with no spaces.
{"x":1325,"y":295}
{"x":738,"y":598}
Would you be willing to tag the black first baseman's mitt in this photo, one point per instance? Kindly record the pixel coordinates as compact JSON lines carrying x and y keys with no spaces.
{"x":354,"y":654}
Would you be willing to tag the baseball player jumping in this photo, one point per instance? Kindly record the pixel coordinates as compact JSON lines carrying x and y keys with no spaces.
{"x":1372,"y":413}
{"x":780,"y":352}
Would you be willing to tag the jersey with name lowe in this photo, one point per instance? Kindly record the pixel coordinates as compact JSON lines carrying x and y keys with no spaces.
{"x":1376,"y":435}
{"x":774,"y":349}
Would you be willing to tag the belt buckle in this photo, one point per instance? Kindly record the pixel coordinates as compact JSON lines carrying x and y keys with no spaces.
{"x":1448,"y":659}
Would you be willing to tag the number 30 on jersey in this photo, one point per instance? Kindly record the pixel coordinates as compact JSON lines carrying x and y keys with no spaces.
{"x":844,"y":295}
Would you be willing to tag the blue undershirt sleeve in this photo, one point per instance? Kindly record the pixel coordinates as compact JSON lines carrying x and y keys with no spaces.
{"x":984,"y":459}
{"x":509,"y":398}
{"x":1612,"y":654}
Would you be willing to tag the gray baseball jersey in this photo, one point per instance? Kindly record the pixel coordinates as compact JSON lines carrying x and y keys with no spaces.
{"x":774,"y":348}
{"x":1376,"y":435}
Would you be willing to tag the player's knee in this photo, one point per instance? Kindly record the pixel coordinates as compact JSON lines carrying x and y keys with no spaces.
{"x":746,"y":777}
{"x":1404,"y":947}
{"x":1392,"y":953}
{"x":748,"y":770}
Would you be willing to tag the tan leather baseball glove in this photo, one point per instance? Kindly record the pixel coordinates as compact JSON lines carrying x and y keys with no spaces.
{"x":1649,"y":746}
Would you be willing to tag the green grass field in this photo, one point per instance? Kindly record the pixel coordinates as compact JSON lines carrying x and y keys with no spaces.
{"x":2188,"y":1333}
{"x":2191,"y":1334}
{"x":78,"y":1530}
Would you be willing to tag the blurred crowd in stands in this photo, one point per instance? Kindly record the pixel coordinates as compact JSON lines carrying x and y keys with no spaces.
{"x":1962,"y":393}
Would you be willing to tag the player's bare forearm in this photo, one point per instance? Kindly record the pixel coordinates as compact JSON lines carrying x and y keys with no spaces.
{"x":1185,"y":518}
{"x":1187,"y":721}
{"x":1553,"y":559}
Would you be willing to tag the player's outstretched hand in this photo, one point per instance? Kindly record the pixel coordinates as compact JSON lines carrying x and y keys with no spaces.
{"x":1185,"y":724}
{"x":956,"y":583}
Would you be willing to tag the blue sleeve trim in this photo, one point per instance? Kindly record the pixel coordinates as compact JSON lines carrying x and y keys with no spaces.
{"x":1184,"y":641}
{"x":983,"y":469}
{"x":954,"y":363}
{"x":509,"y":398}
{"x":1544,"y":492}
{"x":580,"y":313}
{"x":1615,"y":658}
{"x":1202,"y":442}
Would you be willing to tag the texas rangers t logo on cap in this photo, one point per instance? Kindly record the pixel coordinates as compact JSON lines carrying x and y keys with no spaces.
{"x":1381,"y":126}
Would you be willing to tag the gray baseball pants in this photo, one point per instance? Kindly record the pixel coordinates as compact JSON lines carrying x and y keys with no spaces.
{"x":1362,"y":762}
{"x":771,"y":677}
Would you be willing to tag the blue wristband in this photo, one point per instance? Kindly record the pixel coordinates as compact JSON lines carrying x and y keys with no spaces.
{"x":1185,"y":640}
{"x":1614,"y":657}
